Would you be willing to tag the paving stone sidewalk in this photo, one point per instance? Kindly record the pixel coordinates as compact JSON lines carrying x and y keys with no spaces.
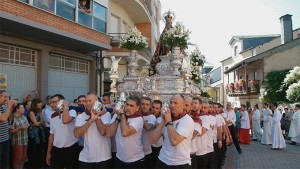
{"x":256,"y":156}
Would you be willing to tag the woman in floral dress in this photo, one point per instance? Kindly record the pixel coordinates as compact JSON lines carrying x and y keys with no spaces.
{"x":19,"y":136}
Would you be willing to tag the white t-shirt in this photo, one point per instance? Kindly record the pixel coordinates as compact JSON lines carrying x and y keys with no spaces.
{"x":96,"y":147}
{"x":161,"y":139}
{"x":220,"y":120}
{"x":205,"y":141}
{"x":130,"y":149}
{"x":198,"y":128}
{"x":179,"y":154}
{"x":213,"y":126}
{"x":151,"y":119}
{"x":63,"y":133}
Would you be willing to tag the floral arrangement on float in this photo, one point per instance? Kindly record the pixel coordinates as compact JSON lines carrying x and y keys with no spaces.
{"x":134,"y":40}
{"x":176,"y":36}
{"x":197,"y":61}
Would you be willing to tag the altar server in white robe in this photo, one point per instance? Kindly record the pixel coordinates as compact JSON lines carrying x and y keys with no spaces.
{"x":256,"y":124}
{"x":295,"y":126}
{"x":267,"y":121}
{"x":276,"y":132}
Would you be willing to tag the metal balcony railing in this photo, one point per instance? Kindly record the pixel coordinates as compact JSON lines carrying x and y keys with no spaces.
{"x":115,"y":42}
{"x":115,"y":38}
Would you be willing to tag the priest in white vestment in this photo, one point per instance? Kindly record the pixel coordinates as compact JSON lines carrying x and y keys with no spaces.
{"x":295,"y":126}
{"x":276,"y":132}
{"x":256,"y":118}
{"x":267,"y":121}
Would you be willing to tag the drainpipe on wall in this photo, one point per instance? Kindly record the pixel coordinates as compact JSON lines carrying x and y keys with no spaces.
{"x":99,"y":69}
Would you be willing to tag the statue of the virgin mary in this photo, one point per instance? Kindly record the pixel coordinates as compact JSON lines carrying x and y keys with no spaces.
{"x":160,"y":48}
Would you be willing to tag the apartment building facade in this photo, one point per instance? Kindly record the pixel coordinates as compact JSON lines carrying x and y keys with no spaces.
{"x":54,"y":46}
{"x":245,"y":71}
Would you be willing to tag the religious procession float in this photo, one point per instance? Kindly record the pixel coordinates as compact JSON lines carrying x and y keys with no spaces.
{"x":172,"y":70}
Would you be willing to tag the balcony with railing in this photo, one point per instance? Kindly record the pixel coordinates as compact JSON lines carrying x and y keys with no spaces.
{"x":115,"y":39}
{"x":115,"y":43}
{"x":241,"y":88}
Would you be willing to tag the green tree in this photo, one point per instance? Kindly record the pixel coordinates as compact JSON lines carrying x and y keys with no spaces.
{"x":272,"y":85}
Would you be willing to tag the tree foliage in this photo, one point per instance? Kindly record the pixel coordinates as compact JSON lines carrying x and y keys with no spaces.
{"x":272,"y":86}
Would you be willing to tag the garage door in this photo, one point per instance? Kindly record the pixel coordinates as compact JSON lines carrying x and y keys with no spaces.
{"x":68,"y":76}
{"x":19,"y":64}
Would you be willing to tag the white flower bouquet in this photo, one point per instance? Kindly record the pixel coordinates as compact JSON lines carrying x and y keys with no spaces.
{"x":176,"y":36}
{"x":293,"y":76}
{"x":197,"y":61}
{"x":293,"y":92}
{"x":134,"y":40}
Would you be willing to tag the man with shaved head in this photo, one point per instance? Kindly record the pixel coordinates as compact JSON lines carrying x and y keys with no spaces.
{"x":92,"y":125}
{"x":177,"y":128}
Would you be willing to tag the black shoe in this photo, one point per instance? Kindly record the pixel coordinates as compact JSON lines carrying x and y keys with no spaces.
{"x":254,"y":140}
{"x":274,"y":148}
{"x":240,"y":151}
{"x":293,"y":143}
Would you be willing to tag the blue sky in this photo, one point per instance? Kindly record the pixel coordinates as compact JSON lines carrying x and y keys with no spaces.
{"x":214,"y":22}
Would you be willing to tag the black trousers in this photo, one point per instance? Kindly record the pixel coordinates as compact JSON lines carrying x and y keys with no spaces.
{"x":223,"y":151}
{"x":4,"y":154}
{"x":65,"y":157}
{"x":113,"y":159}
{"x":194,"y":161}
{"x":100,"y":165}
{"x":160,"y":164}
{"x":234,"y":139}
{"x":47,"y":133}
{"x":217,"y":155}
{"x":35,"y":154}
{"x":154,"y":156}
{"x":206,"y":161}
{"x":148,"y":161}
{"x":133,"y":165}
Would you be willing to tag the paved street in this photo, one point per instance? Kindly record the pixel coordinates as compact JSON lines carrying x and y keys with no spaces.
{"x":261,"y":156}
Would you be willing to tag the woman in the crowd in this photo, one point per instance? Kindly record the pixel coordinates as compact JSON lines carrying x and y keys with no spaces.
{"x":19,"y":136}
{"x":36,"y":135}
